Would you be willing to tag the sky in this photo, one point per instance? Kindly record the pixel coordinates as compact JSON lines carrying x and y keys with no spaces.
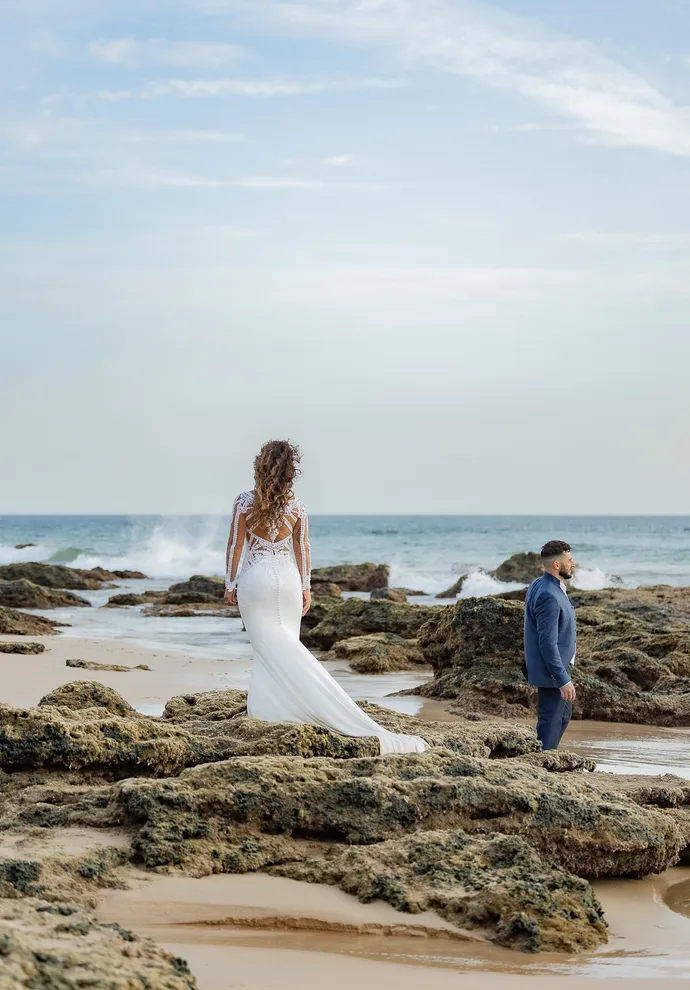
{"x":443,"y":245}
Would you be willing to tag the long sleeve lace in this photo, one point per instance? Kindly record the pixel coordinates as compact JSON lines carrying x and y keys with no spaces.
{"x":233,"y":554}
{"x":302,"y":547}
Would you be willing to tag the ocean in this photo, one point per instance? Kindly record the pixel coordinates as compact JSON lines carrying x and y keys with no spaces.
{"x":425,"y":553}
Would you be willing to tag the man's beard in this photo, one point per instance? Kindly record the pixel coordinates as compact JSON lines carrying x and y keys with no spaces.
{"x":566,"y":575}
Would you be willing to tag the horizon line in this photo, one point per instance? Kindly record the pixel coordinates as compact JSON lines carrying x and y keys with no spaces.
{"x":359,"y":515}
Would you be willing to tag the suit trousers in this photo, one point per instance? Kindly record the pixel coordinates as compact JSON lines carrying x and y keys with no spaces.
{"x":553,"y":716}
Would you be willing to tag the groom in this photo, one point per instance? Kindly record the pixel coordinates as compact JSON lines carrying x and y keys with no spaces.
{"x":550,"y":638}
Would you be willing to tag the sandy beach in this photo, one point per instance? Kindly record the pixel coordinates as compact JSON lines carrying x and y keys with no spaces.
{"x":260,"y":932}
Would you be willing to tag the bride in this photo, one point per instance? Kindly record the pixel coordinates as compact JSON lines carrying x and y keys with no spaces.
{"x":287,"y":683}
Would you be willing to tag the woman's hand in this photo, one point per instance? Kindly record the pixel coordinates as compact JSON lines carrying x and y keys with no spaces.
{"x":306,"y":600}
{"x":231,"y":596}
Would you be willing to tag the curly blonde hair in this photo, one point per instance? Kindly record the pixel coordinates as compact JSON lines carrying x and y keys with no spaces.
{"x":275,"y":470}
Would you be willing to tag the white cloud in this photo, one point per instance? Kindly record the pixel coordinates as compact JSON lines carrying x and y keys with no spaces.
{"x":261,"y":87}
{"x":162,"y":51}
{"x":565,"y":75}
{"x":338,"y":160}
{"x":631,"y":239}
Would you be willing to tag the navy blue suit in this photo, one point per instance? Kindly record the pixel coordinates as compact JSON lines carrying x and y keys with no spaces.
{"x":550,"y":642}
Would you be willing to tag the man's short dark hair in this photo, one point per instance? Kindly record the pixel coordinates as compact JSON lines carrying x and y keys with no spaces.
{"x":553,"y":549}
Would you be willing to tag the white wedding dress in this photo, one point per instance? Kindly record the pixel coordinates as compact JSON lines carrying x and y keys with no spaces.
{"x":288,"y":683}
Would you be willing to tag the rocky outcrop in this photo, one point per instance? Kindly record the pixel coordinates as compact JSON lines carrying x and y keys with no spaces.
{"x":25,"y":648}
{"x":454,"y":589}
{"x":93,"y":665}
{"x":24,"y":594}
{"x":484,"y":829}
{"x":118,"y":601}
{"x":56,"y":576}
{"x":354,"y":577}
{"x":377,"y":653}
{"x":206,"y":706}
{"x":355,"y":617}
{"x":214,"y":713}
{"x":13,"y":623}
{"x":199,"y":588}
{"x":667,"y":792}
{"x":325,"y":589}
{"x":475,"y":882}
{"x":521,"y":567}
{"x":129,"y":575}
{"x":366,"y":801}
{"x":629,"y":668}
{"x":23,"y":546}
{"x":390,"y":595}
{"x":60,"y":737}
{"x":85,"y":695}
{"x":215,"y":608}
{"x":662,"y":607}
{"x":59,"y":946}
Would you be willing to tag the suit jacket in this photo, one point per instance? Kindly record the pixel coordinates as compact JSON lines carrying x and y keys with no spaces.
{"x":550,"y":633}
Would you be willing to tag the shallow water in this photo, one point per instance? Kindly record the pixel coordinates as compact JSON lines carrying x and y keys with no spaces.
{"x":639,"y":749}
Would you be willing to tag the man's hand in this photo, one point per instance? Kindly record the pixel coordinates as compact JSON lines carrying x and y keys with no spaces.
{"x":568,"y":691}
{"x":306,"y":602}
{"x":231,"y":596}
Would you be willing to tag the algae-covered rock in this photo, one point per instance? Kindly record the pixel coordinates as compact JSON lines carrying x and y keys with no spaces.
{"x":61,"y":737}
{"x":354,"y":577}
{"x":355,"y":617}
{"x":60,"y":947}
{"x":213,"y":608}
{"x":390,"y":595}
{"x":207,"y":706}
{"x":377,"y":653}
{"x":118,"y":601}
{"x":628,"y":669}
{"x":199,"y":588}
{"x":13,"y":623}
{"x":223,"y":713}
{"x":496,"y":883}
{"x":94,"y":665}
{"x":365,"y":801}
{"x":80,"y":695}
{"x":56,"y":576}
{"x":24,"y":594}
{"x":25,"y":648}
{"x":521,"y":567}
{"x":661,"y":606}
{"x":326,"y":589}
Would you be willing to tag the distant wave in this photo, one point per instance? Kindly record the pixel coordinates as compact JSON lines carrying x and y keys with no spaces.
{"x":171,"y":550}
{"x":478,"y":584}
{"x":594,"y":579}
{"x":10,"y":554}
{"x":68,"y":555}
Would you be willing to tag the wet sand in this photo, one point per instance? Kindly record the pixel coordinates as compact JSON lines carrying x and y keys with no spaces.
{"x":25,"y":679}
{"x":270,"y":931}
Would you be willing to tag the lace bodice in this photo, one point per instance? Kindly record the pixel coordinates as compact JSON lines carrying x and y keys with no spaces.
{"x":243,"y":538}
